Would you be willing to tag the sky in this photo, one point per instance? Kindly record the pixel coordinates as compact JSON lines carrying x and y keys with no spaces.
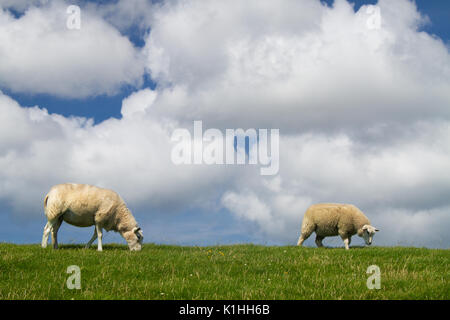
{"x":361,"y":102}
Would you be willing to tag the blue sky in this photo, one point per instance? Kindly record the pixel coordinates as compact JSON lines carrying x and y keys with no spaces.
{"x":371,"y":118}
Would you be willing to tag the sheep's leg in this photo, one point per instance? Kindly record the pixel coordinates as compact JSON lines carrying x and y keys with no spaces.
{"x":99,"y":235}
{"x":347,"y":243}
{"x":55,"y":227}
{"x":303,"y":237}
{"x":45,"y":235}
{"x":47,"y":229}
{"x":319,"y":241}
{"x":307,"y":229}
{"x":94,"y":236}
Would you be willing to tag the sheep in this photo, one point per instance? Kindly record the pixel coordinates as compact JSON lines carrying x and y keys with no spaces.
{"x":330,"y":219}
{"x":84,"y":205}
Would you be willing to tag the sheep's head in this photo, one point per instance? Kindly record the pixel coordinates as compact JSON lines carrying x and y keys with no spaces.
{"x":368,"y":233}
{"x":134,"y":238}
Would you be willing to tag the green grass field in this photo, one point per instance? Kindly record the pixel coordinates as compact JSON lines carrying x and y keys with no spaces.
{"x":223,"y":272}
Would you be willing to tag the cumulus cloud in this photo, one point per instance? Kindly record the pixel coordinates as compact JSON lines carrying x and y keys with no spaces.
{"x":398,"y":186}
{"x":125,"y":14}
{"x":131,"y":155}
{"x":21,"y":5}
{"x":137,"y":103}
{"x":40,"y":54}
{"x":421,"y":228}
{"x":408,"y":183}
{"x":363,"y":115}
{"x":297,"y":64}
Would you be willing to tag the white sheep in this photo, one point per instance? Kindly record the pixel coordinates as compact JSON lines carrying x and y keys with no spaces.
{"x":84,"y":205}
{"x":329,"y":219}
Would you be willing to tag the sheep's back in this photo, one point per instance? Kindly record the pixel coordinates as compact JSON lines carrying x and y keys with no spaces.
{"x":330,"y":218}
{"x":82,"y":199}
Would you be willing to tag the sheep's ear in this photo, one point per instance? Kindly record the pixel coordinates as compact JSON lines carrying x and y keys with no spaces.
{"x":376,"y":230}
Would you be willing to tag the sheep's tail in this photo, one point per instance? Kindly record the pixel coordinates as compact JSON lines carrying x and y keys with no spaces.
{"x":308,"y":225}
{"x":45,"y":202}
{"x":51,"y":211}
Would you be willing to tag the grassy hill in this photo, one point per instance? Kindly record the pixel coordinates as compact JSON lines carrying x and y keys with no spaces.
{"x":223,"y":272}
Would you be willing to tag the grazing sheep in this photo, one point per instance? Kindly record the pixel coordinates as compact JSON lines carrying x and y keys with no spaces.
{"x":83,"y":205}
{"x":329,"y":219}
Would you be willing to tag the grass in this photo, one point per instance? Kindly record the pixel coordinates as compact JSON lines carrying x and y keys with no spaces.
{"x":222,"y":272}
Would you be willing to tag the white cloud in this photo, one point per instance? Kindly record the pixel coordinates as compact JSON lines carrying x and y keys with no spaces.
{"x":125,"y":14}
{"x":131,"y":155}
{"x":21,"y":5}
{"x":39,"y":54}
{"x":137,"y":103}
{"x":256,"y":60}
{"x":414,"y":228}
{"x":396,"y":181}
